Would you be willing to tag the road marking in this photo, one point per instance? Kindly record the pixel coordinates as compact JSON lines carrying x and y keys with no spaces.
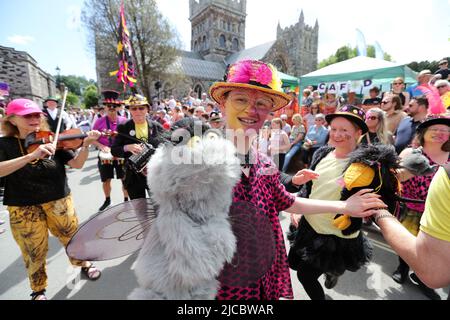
{"x":382,"y":245}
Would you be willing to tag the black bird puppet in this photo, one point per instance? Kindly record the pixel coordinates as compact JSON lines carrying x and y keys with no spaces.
{"x":375,"y":167}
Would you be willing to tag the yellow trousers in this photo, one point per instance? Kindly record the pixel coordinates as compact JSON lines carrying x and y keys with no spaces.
{"x":30,"y":226}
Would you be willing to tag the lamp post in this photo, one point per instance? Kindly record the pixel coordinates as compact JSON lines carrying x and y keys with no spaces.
{"x":58,"y":77}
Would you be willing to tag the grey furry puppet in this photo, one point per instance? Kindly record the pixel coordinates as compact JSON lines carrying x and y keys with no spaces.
{"x":191,"y":238}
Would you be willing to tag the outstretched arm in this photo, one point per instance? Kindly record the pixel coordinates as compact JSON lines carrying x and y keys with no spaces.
{"x":361,"y":204}
{"x":428,"y":256}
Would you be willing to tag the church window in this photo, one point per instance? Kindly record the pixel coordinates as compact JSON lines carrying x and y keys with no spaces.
{"x":222,"y":41}
{"x":235,"y":44}
{"x":198,"y":89}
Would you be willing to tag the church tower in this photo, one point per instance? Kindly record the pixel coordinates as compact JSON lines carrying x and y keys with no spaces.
{"x":217,"y":27}
{"x":302,"y":42}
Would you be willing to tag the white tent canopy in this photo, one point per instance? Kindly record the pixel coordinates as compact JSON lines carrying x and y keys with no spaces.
{"x":360,"y":68}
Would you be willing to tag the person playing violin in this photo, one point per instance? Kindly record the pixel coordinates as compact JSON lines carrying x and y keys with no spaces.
{"x":139,"y":127}
{"x":107,"y":164}
{"x":37,"y":192}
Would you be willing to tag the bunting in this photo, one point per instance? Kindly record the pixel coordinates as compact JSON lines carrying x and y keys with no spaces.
{"x":126,"y":73}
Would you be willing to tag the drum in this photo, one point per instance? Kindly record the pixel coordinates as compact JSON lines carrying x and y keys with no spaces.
{"x":108,"y":158}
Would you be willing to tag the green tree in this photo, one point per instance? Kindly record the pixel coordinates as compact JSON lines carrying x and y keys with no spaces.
{"x":76,"y":84}
{"x":433,"y":66}
{"x":90,"y":96}
{"x":154,"y":41}
{"x":72,"y":100}
{"x":347,"y":52}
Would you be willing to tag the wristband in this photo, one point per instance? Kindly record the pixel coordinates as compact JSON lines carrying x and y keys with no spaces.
{"x":381,"y":216}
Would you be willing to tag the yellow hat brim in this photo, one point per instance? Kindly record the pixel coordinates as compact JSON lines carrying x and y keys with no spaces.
{"x":219,"y":89}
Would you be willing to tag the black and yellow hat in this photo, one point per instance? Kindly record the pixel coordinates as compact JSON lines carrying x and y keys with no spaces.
{"x":351,"y":113}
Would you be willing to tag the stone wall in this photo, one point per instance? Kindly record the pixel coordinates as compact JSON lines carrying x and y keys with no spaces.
{"x":24,"y":77}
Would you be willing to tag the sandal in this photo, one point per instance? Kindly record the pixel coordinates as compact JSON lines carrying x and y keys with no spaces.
{"x":40,"y":295}
{"x":91,"y":272}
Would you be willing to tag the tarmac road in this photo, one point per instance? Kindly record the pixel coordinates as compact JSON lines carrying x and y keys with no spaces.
{"x":372,"y":282}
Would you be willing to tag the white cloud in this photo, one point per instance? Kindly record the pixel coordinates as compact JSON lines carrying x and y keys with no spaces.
{"x":74,"y":17}
{"x":20,"y":40}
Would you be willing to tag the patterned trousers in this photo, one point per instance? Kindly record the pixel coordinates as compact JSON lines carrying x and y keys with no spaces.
{"x":30,"y":226}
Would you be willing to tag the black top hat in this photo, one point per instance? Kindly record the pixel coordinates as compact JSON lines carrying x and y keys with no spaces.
{"x":351,"y":113}
{"x":432,"y":120}
{"x":111,"y":97}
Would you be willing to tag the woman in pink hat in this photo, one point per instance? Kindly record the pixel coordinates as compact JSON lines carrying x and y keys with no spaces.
{"x":36,"y":191}
{"x":253,"y":90}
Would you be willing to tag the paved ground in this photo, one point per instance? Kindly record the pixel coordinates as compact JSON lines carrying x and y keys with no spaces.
{"x":370,"y":283}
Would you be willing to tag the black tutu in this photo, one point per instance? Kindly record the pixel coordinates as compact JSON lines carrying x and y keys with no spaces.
{"x":328,"y":253}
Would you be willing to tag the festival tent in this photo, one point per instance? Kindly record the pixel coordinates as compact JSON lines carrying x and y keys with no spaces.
{"x":359,"y":69}
{"x":287,"y":80}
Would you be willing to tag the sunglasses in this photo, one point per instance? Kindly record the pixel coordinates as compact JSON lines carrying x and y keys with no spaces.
{"x":397,"y":83}
{"x":138,"y":108}
{"x":385,"y":102}
{"x":373,"y":118}
{"x":440,"y":87}
{"x":32,"y":116}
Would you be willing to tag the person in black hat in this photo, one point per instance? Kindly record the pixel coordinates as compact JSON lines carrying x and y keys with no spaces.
{"x":320,"y":247}
{"x":126,"y":144}
{"x":433,"y":142}
{"x":53,"y":112}
{"x":107,"y":164}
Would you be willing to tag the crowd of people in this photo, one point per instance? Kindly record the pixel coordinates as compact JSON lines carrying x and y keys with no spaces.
{"x":310,"y":147}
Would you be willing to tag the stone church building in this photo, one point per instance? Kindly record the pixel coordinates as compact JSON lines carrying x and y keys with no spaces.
{"x":218,"y":39}
{"x":25,"y":79}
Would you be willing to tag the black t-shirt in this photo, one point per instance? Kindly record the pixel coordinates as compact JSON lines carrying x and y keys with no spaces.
{"x":444,"y":73}
{"x":37,"y":183}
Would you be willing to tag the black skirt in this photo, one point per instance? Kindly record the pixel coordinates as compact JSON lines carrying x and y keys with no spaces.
{"x":328,"y":253}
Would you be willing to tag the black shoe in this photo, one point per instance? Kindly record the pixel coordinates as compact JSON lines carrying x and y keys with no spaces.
{"x":400,"y":275}
{"x":105,"y":205}
{"x":330,"y":281}
{"x":428,"y":292}
{"x":40,"y":295}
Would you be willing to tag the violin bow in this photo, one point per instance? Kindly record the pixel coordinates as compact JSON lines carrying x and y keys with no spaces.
{"x":58,"y":128}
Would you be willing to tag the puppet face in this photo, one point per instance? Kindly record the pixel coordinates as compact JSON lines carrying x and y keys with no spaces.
{"x":358,"y":175}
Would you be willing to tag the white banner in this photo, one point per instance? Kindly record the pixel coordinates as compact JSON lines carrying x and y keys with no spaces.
{"x":358,"y":86}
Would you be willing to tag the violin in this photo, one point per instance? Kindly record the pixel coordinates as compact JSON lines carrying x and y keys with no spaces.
{"x":71,"y":139}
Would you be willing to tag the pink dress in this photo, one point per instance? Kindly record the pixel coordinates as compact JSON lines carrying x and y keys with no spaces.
{"x":263,"y":189}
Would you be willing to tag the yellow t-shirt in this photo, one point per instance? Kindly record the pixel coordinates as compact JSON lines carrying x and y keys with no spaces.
{"x":142,"y":131}
{"x":326,"y":187}
{"x":436,"y":217}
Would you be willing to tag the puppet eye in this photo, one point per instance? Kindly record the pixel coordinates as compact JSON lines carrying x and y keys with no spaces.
{"x":211,"y":135}
{"x":194,"y":142}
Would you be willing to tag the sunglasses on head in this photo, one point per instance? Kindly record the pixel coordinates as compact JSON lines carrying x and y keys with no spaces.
{"x":138,"y":108}
{"x":32,"y":116}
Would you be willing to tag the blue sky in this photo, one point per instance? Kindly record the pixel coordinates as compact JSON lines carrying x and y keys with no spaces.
{"x":50,"y":30}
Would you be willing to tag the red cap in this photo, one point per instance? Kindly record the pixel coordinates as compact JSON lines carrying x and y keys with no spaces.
{"x":22,"y":107}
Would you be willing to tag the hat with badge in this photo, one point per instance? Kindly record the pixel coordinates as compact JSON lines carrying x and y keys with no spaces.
{"x":351,"y":113}
{"x":136,"y":100}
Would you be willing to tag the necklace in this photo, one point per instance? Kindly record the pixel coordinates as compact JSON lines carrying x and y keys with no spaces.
{"x":23,"y":153}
